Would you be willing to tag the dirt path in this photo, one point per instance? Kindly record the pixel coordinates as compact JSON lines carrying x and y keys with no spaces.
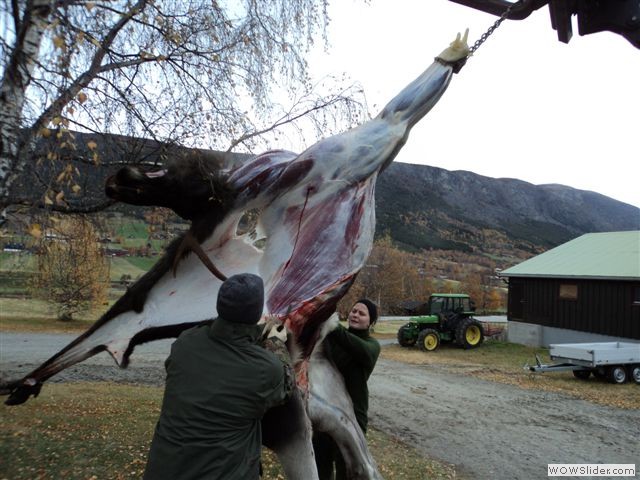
{"x":495,"y":431}
{"x":488,"y":430}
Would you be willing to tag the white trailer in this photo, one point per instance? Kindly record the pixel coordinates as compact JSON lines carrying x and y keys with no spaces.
{"x":615,"y":361}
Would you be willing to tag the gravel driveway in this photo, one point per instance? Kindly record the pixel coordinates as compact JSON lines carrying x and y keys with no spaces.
{"x":488,"y":430}
{"x":495,"y":431}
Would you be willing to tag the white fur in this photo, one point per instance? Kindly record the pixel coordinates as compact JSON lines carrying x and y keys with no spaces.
{"x":329,"y":326}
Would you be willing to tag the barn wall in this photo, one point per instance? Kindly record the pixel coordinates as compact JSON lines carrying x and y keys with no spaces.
{"x":539,"y":336}
{"x":605,"y":307}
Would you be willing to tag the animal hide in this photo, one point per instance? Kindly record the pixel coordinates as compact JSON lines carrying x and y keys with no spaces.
{"x":313,"y":229}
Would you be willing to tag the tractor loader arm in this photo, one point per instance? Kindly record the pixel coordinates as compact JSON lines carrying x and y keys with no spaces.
{"x":621,"y":17}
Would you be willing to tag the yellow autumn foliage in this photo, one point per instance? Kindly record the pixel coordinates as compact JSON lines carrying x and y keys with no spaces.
{"x":73,"y":272}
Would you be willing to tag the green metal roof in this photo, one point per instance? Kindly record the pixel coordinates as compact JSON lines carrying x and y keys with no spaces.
{"x":611,"y":255}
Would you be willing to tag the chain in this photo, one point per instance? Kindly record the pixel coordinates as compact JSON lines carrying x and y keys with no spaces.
{"x":492,"y":28}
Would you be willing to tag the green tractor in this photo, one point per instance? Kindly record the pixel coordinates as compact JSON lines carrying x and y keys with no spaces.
{"x":447,"y":317}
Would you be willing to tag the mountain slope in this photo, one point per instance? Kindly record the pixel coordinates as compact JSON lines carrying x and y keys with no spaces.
{"x":425,"y":207}
{"x":421,"y":207}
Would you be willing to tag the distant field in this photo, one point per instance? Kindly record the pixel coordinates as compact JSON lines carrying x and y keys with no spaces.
{"x":129,"y":228}
{"x":16,"y":303}
{"x":35,"y":308}
{"x":142,"y":263}
{"x":134,"y":233}
{"x":12,"y":262}
{"x":133,"y":266}
{"x":33,"y":315}
{"x":156,"y":245}
{"x":15,"y":268}
{"x":30,"y":308}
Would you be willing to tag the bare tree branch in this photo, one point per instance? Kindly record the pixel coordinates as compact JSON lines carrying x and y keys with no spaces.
{"x":191,"y":73}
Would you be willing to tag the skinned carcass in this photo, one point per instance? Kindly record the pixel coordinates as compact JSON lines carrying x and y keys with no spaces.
{"x":312,"y":222}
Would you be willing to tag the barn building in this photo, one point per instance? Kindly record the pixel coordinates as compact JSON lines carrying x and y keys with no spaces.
{"x":585,"y":290}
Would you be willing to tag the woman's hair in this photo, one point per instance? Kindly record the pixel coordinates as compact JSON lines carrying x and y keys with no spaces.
{"x":373,"y":310}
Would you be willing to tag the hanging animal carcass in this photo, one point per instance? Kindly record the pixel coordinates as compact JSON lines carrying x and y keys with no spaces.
{"x":313,"y":230}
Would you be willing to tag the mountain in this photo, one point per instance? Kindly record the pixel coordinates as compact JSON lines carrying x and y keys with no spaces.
{"x":420,"y":207}
{"x":424,"y":207}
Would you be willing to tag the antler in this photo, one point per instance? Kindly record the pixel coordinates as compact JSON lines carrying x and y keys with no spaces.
{"x":190,"y":244}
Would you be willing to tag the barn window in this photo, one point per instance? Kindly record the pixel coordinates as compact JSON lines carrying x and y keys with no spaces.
{"x":568,"y":291}
{"x":636,"y":295}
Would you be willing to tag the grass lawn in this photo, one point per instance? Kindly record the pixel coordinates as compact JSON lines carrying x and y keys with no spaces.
{"x":387,"y":328}
{"x":103,"y":431}
{"x":32,"y":315}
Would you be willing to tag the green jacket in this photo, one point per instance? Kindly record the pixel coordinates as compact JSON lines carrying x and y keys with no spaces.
{"x":219,"y":385}
{"x":355,"y":353}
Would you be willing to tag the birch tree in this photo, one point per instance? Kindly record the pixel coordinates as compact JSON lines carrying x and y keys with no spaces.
{"x":197,"y":73}
{"x":18,"y":65}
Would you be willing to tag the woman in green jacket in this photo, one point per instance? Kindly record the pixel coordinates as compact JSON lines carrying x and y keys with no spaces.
{"x":354,"y":352}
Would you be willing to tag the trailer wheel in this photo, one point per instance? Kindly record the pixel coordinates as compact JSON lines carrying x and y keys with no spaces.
{"x":634,"y":373}
{"x":469,"y":333}
{"x":428,"y":340}
{"x":405,"y":338}
{"x":582,"y":374}
{"x":616,"y":374}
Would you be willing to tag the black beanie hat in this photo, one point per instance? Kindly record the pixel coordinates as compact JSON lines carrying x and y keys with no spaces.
{"x":373,"y":310}
{"x":241,"y":298}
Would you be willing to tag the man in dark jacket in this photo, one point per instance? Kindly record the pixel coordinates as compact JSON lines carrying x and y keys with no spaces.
{"x":219,"y":384}
{"x":355,"y":353}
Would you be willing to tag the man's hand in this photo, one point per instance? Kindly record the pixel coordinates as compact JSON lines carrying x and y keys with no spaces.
{"x":275,"y":329}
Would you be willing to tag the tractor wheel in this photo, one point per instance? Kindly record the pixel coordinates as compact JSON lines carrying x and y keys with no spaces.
{"x":405,"y":336}
{"x":469,"y":333}
{"x":582,"y":374}
{"x":634,"y":373}
{"x":428,"y":340}
{"x":616,"y":374}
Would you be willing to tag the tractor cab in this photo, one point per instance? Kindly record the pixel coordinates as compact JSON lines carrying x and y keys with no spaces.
{"x":448,"y":303}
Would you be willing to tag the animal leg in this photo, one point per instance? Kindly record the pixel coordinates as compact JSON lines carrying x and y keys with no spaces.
{"x":331,"y":411}
{"x":287,"y":431}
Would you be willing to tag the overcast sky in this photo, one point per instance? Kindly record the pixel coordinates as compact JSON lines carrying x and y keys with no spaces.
{"x":526,"y":106}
